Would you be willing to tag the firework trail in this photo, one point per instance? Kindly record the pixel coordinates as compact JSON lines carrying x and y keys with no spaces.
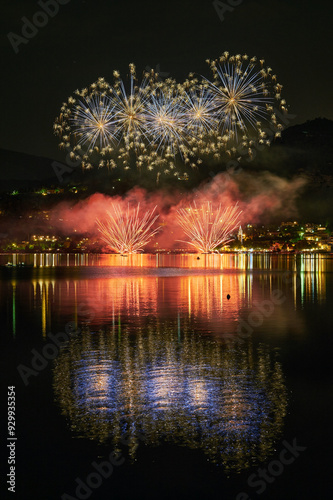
{"x":126,"y":231}
{"x":208,"y":229}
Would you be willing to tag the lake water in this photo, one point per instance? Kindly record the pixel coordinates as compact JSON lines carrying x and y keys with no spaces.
{"x":210,"y":378}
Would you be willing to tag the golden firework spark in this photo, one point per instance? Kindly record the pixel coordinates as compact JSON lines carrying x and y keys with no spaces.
{"x":127,"y":231}
{"x":207,"y":228}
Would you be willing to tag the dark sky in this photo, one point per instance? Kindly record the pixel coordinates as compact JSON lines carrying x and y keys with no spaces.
{"x":90,"y":38}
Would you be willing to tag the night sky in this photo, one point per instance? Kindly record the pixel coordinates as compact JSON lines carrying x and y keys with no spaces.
{"x":87,"y":39}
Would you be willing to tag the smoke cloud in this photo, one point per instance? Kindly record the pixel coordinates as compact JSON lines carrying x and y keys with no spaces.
{"x":263,"y":198}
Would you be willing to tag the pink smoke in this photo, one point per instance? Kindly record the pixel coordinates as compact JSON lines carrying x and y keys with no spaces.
{"x":261,"y":197}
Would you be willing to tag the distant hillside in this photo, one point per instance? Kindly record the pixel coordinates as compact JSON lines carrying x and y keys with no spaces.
{"x":312,"y":134}
{"x":307,"y":147}
{"x":20,"y":170}
{"x":305,"y":150}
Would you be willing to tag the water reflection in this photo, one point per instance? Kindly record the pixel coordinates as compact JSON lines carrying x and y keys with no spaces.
{"x":168,"y":383}
{"x":240,"y":261}
{"x":201,"y":297}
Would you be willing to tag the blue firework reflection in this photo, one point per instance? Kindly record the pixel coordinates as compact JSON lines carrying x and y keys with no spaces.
{"x":160,"y":386}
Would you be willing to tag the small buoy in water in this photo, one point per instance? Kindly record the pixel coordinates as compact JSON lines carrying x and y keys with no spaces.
{"x":228,"y":296}
{"x":198,"y":258}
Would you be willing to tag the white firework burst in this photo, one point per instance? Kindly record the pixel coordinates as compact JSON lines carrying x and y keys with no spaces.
{"x":130,"y":110}
{"x":93,"y":121}
{"x":207,"y":228}
{"x":165,"y":122}
{"x":242,"y":94}
{"x":126,"y":231}
{"x":199,"y":108}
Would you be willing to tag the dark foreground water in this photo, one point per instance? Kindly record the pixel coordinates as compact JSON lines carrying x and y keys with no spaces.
{"x":137,"y":378}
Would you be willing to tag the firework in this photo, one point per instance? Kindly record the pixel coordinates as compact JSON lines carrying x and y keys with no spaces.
{"x":130,"y":108}
{"x":93,"y":121}
{"x":165,"y":121}
{"x":126,"y":231}
{"x":170,"y":127}
{"x":103,"y":124}
{"x":246,"y":96}
{"x":199,"y":106}
{"x":208,"y":228}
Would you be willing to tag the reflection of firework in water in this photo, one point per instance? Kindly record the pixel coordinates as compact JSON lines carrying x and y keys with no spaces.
{"x":126,"y":231}
{"x":208,"y":228}
{"x":228,"y":402}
